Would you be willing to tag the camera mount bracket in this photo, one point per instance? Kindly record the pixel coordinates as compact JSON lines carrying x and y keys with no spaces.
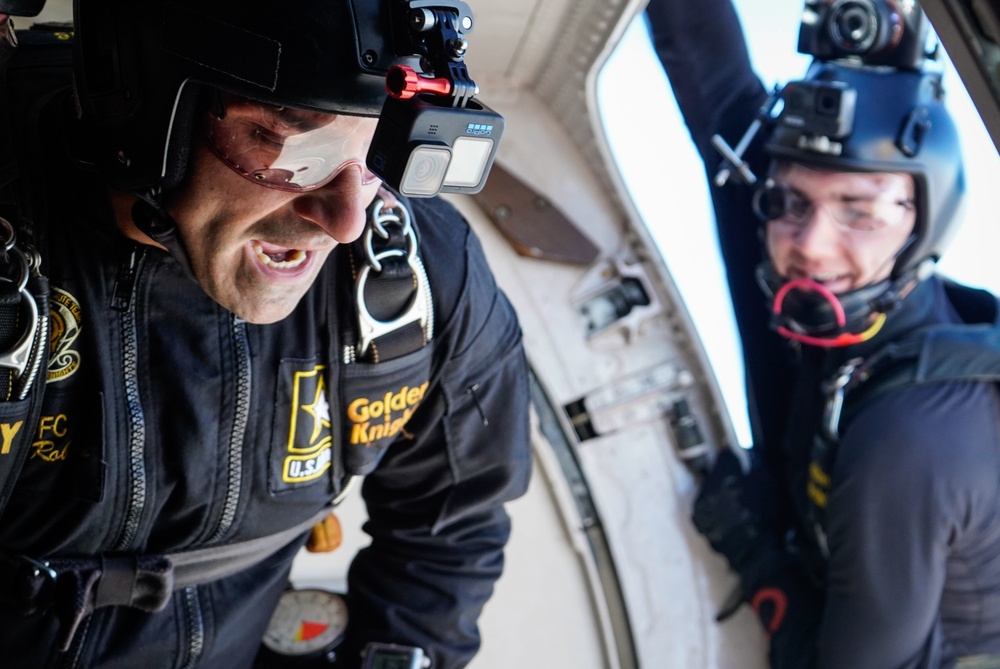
{"x":433,"y":30}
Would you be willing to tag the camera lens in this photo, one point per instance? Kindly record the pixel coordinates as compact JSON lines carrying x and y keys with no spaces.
{"x":828,"y":102}
{"x":425,"y":170}
{"x":855,"y":26}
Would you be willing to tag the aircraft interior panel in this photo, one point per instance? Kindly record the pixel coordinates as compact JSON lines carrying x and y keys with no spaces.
{"x":616,"y":370}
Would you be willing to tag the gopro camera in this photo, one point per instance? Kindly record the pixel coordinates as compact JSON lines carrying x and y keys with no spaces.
{"x":819,"y":108}
{"x":433,"y":136}
{"x":427,"y":146}
{"x":878,"y":32}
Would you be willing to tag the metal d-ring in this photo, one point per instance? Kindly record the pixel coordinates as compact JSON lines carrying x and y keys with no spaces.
{"x":398,"y":215}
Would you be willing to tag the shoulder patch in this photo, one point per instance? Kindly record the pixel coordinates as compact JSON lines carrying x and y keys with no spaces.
{"x":65,"y":322}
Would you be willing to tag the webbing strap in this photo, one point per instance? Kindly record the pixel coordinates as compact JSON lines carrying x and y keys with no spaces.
{"x":935,"y":354}
{"x":147,"y":582}
{"x":967,"y":351}
{"x":392,"y":294}
{"x":215,"y":562}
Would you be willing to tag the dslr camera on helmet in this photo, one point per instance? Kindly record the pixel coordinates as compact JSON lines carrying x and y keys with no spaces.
{"x":877,"y":32}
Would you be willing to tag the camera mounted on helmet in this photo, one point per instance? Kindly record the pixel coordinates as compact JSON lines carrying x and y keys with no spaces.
{"x":142,"y":69}
{"x":892,"y":33}
{"x":877,"y":34}
{"x":889,"y":36}
{"x":432,"y":135}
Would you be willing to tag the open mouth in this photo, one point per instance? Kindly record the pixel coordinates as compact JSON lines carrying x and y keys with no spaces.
{"x":829,"y":278}
{"x":279,"y":257}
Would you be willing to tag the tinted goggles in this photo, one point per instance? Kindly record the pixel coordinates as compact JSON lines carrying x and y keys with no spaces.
{"x":286,"y":148}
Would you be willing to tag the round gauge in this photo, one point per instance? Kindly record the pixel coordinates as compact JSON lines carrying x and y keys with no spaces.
{"x":306,"y":623}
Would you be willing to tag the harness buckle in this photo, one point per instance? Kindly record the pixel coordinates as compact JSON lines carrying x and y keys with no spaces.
{"x":17,"y":265}
{"x":835,"y":389}
{"x":418,"y":308}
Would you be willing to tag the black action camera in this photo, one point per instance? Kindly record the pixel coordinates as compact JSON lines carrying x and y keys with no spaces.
{"x":433,"y":136}
{"x":424,"y":146}
{"x":393,"y":656}
{"x":822,"y":108}
{"x":877,"y":32}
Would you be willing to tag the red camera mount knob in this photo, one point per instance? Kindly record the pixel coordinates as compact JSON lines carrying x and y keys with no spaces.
{"x":403,"y":82}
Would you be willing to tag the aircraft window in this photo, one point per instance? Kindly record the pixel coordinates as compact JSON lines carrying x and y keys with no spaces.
{"x":667,"y":183}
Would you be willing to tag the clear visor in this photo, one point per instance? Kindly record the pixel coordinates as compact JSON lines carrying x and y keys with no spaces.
{"x":286,"y":148}
{"x":792,"y":210}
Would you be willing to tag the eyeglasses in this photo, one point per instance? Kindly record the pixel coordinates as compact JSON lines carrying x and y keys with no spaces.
{"x":285,"y":148}
{"x":785,"y":207}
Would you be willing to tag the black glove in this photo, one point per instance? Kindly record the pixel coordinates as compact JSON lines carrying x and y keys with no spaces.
{"x":738,"y":513}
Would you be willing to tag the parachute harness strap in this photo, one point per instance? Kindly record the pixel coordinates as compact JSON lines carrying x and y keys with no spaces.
{"x":391,"y":275}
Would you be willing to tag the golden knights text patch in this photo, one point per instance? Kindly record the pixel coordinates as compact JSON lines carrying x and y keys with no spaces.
{"x":371,"y":419}
{"x":378,"y":402}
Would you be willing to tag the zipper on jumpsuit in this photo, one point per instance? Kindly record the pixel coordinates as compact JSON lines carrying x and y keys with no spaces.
{"x":123,"y":300}
{"x":194,"y":623}
{"x":241,"y":413}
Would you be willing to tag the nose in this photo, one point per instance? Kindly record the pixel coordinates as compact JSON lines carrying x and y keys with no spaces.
{"x":819,"y":234}
{"x":339,"y":206}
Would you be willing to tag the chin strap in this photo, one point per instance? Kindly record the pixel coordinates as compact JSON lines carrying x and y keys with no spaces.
{"x":866,"y":306}
{"x":836,"y":341}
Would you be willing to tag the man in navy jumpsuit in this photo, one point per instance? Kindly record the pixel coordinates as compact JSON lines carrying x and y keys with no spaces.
{"x":206,"y":387}
{"x":886,"y":556}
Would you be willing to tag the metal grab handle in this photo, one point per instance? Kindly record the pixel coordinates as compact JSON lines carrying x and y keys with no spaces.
{"x":416,"y":311}
{"x":17,"y":357}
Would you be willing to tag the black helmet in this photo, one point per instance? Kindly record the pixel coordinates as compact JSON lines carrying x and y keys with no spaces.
{"x":848,"y":117}
{"x":900,"y":125}
{"x":139,"y":66}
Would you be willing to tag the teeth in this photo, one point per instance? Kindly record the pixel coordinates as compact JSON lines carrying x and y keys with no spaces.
{"x":290,"y":260}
